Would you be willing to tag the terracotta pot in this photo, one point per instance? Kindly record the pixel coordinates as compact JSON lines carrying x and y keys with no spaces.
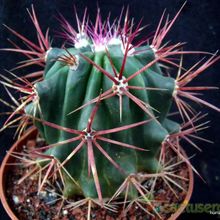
{"x":31,"y":134}
{"x":18,"y":145}
{"x":188,"y":195}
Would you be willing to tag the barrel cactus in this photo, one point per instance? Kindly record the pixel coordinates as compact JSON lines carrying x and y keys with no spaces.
{"x":103,"y":103}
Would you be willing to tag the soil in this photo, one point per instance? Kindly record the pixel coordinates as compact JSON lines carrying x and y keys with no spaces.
{"x":28,"y":204}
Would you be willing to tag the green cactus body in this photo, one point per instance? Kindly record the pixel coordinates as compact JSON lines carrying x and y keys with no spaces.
{"x":64,"y":89}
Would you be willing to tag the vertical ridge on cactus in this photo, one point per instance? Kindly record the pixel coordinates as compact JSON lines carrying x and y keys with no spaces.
{"x":103,"y":105}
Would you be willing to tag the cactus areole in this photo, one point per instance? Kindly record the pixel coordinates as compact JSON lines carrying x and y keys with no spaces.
{"x":102,"y":104}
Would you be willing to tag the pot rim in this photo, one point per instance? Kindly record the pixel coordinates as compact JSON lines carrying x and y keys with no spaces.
{"x":185,"y":202}
{"x":32,"y":133}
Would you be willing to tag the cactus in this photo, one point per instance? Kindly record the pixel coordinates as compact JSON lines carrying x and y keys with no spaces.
{"x":103,"y":104}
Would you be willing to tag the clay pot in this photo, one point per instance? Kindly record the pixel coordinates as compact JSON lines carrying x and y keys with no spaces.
{"x":31,"y":134}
